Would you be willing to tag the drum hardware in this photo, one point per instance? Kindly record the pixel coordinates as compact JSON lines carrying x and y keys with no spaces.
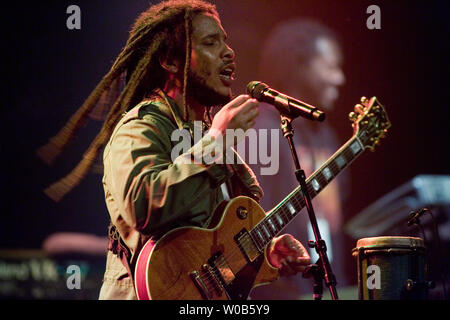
{"x":414,"y":216}
{"x":414,"y":220}
{"x":414,"y":285}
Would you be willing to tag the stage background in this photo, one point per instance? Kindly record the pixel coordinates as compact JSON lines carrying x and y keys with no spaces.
{"x":49,"y":70}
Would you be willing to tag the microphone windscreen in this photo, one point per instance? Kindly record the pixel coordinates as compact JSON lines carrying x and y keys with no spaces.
{"x":256,"y":89}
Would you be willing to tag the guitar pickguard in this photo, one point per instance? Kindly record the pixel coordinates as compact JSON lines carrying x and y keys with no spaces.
{"x":236,"y":286}
{"x":240,"y":287}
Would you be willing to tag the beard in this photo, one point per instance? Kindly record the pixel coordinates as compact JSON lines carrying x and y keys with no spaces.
{"x":204,"y":94}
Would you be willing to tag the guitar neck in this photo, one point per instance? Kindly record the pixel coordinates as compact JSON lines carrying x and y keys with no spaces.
{"x":280,"y":216}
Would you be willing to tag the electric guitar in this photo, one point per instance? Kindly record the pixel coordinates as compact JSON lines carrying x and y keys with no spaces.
{"x":228,"y":259}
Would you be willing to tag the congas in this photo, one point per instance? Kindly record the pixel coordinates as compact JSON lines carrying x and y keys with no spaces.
{"x":391,"y":268}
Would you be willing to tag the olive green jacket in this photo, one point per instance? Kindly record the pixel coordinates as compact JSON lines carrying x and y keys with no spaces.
{"x":147,"y":194}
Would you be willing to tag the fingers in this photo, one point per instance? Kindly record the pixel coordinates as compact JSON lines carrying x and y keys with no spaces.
{"x":243,"y":104}
{"x":240,"y":113}
{"x":292,"y":265}
{"x":300,"y":263}
{"x":291,"y":255}
{"x":287,"y":269}
{"x":246,"y":113}
{"x":250,"y":123}
{"x":288,"y":244}
{"x":248,"y":105}
{"x":236,"y":102}
{"x":250,"y":120}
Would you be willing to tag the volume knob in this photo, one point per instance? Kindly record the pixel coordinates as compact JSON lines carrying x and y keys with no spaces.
{"x":242,"y":213}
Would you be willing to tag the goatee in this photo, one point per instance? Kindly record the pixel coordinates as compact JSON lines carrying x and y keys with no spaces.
{"x":205,"y":95}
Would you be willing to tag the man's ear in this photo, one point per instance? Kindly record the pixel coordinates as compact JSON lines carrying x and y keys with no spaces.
{"x":170,"y":65}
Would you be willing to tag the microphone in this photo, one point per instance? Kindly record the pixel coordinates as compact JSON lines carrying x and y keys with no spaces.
{"x":287,"y":106}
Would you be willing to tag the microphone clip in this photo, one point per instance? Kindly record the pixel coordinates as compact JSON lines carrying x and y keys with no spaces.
{"x":414,"y":216}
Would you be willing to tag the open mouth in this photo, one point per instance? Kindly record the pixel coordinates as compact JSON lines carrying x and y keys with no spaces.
{"x":227,"y":75}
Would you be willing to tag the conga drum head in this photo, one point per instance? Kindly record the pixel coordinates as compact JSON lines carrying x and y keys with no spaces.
{"x":390,"y":242}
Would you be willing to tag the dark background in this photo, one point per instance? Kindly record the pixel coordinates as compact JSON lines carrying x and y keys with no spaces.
{"x":49,"y":70}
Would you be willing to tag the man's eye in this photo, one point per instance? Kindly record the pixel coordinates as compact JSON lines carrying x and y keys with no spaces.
{"x":209,"y":43}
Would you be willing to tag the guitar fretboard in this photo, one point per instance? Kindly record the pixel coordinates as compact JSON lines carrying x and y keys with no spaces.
{"x":280,"y":216}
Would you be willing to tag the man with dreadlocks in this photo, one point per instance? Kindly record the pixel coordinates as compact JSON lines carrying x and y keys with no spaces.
{"x":175,"y":65}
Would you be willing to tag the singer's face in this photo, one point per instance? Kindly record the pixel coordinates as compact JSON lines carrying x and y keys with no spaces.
{"x":212,"y":62}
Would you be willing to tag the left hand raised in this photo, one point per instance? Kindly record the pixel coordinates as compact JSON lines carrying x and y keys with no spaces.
{"x":288,"y":255}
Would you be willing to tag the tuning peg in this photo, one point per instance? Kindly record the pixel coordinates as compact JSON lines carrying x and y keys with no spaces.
{"x":359,"y":109}
{"x":380,"y":133}
{"x":352,"y":116}
{"x":363,"y":99}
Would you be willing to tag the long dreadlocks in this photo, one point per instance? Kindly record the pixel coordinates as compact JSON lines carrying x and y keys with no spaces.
{"x":164,"y":30}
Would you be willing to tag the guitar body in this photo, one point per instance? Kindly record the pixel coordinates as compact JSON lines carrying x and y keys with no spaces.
{"x":192,"y":263}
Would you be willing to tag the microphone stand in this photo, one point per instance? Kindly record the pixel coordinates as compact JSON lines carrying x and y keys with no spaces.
{"x":322,"y":269}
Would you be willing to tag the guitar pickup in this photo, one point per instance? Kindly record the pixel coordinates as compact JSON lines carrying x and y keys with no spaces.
{"x":247,"y":246}
{"x":213,"y":278}
{"x":221,"y":265}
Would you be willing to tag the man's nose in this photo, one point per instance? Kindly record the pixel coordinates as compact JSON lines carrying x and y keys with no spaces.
{"x":228,"y":53}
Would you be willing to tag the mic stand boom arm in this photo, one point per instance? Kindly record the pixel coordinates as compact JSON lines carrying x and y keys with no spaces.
{"x":323,"y":264}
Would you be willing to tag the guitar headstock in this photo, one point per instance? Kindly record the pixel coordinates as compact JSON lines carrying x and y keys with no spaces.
{"x":370,"y":122}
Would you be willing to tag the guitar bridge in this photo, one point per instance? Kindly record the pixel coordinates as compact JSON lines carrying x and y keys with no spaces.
{"x":201,"y":285}
{"x":207,"y":283}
